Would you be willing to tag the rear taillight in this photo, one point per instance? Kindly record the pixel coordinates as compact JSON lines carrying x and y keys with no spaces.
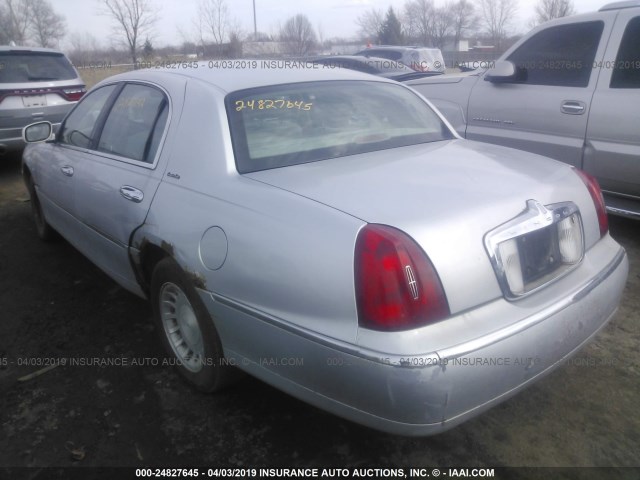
{"x":598,"y":200}
{"x":396,"y":286}
{"x":73,"y":94}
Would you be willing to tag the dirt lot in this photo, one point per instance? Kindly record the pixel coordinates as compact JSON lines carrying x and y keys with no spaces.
{"x":55,"y":304}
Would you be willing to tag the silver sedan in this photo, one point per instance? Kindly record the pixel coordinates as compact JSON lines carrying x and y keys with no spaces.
{"x":329,"y":233}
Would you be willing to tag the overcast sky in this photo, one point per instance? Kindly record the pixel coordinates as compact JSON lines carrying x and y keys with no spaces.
{"x":335,"y":18}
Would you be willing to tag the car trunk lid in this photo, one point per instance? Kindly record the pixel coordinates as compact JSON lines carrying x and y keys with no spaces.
{"x":446,"y":195}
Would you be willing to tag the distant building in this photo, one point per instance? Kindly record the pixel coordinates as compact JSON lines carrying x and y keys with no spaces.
{"x":483,"y":48}
{"x":461,"y":46}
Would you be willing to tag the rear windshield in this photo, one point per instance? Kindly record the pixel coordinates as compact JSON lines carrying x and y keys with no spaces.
{"x":21,"y":67}
{"x":286,"y":125}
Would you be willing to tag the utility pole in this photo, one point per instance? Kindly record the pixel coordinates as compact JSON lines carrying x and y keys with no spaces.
{"x":255,"y":24}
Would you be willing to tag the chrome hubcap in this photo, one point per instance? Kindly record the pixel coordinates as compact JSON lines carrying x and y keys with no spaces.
{"x":181,"y":327}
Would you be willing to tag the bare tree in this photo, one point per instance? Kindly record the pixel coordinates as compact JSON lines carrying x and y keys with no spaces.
{"x":464,"y":19}
{"x":214,"y":25}
{"x":419,"y":21}
{"x":442,"y":25}
{"x":497,"y":16}
{"x":30,"y":22}
{"x":199,"y":32}
{"x":188,"y":37}
{"x":5,"y":27}
{"x":133,"y":18}
{"x":14,"y":21}
{"x":370,"y":23}
{"x":549,"y":9}
{"x":214,"y":18}
{"x":235,"y":44}
{"x":298,"y":36}
{"x":320,"y":35}
{"x":237,"y":35}
{"x":84,"y":49}
{"x":47,"y":26}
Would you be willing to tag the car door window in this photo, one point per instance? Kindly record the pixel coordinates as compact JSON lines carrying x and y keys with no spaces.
{"x":561,"y":56}
{"x":135,"y":124}
{"x":626,"y":72}
{"x":78,"y":128}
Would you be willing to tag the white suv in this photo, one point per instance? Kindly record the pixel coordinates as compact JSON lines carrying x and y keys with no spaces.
{"x":35,"y":84}
{"x":420,"y":59}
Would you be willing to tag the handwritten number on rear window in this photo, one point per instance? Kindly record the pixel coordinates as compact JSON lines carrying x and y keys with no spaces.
{"x":268,"y":104}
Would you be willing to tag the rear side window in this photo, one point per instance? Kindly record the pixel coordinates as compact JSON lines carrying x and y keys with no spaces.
{"x":626,"y":73}
{"x":560,"y":56}
{"x":135,"y":124}
{"x":24,"y":67}
{"x":79,"y":127}
{"x":292,"y":124}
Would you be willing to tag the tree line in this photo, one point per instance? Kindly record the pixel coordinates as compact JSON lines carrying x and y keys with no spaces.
{"x":419,"y":22}
{"x":423,"y":22}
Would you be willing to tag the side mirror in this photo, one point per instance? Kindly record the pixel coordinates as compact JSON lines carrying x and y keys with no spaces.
{"x":502,"y":71}
{"x":37,"y":132}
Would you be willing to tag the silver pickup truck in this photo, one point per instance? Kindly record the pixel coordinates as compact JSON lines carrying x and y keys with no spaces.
{"x":570,"y":90}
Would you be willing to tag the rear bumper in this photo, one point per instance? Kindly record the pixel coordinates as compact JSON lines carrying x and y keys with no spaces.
{"x":419,"y":394}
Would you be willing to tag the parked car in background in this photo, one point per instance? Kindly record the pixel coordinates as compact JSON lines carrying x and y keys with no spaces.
{"x":420,"y":59}
{"x":329,"y":233}
{"x":391,"y":69}
{"x":471,"y":65}
{"x":569,"y":90}
{"x":35,"y":84}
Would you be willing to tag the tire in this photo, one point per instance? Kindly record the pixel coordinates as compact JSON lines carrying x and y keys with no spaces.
{"x":186,"y":329}
{"x":43,"y":229}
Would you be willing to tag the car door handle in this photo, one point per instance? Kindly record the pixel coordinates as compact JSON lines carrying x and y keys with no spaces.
{"x":67,"y":170}
{"x":131,"y":193}
{"x":573,"y":107}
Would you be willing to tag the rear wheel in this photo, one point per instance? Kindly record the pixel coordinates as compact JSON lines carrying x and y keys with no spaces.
{"x":187,"y":330}
{"x":44,"y":230}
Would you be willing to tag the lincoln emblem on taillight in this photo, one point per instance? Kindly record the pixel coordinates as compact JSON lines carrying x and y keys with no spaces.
{"x":411,"y":280}
{"x":386,"y":301}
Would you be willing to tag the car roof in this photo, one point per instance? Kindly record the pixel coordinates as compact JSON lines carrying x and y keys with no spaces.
{"x":8,"y":48}
{"x":356,"y":58}
{"x":265,"y":73}
{"x":394,"y":47}
{"x":620,"y":5}
{"x":397,"y":47}
{"x":379,"y":63}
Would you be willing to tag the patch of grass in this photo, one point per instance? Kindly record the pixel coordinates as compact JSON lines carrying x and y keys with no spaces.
{"x":91,"y":76}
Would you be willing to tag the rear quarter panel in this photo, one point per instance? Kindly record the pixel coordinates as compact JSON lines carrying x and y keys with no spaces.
{"x":285,"y":256}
